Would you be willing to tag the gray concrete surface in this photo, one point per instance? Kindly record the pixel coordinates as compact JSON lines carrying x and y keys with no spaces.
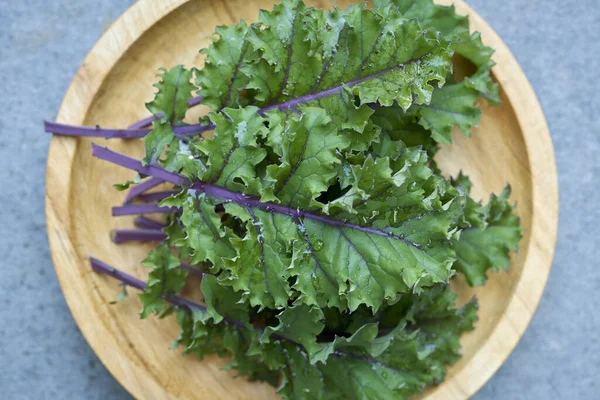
{"x":44,"y":356}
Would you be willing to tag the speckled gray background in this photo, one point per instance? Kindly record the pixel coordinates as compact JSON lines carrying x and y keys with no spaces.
{"x":42,"y":352}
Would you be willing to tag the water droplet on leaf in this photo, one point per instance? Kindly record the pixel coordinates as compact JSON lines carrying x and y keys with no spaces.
{"x":318,"y":245}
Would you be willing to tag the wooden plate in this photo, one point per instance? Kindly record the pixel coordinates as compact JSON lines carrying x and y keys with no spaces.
{"x":110,"y":89}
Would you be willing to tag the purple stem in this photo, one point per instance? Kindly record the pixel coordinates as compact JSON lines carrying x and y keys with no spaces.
{"x":194,"y":101}
{"x":129,"y":280}
{"x":141,"y":129}
{"x":101,"y":267}
{"x":108,"y":155}
{"x":192,"y":270}
{"x":147,"y":223}
{"x":106,"y":269}
{"x":132,"y":209}
{"x":138,"y":235}
{"x":157,"y":196}
{"x":53,"y":127}
{"x":108,"y":133}
{"x":291,"y":104}
{"x":144,"y":123}
{"x":252,"y":202}
{"x":140,"y":188}
{"x":74,"y":130}
{"x":240,"y":198}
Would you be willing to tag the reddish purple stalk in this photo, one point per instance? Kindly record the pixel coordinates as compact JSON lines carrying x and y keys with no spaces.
{"x":111,"y":133}
{"x":129,"y":280}
{"x":291,"y":104}
{"x":157,"y":196}
{"x":147,"y":223}
{"x":140,"y":188}
{"x":239,"y":198}
{"x":191,"y":270}
{"x":138,"y":235}
{"x":103,"y":268}
{"x":194,"y":101}
{"x":144,"y":123}
{"x":130,"y":163}
{"x":135,"y":130}
{"x":133,"y":209}
{"x":139,"y":129}
{"x":189,"y":130}
{"x":252,"y":202}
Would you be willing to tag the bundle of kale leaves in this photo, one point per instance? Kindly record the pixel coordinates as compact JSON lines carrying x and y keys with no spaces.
{"x":327,"y":233}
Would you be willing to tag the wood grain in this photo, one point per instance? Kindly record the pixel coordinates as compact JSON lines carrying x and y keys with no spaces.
{"x":512,"y":145}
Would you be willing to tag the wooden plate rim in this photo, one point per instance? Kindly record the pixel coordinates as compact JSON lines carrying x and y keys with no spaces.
{"x":528,"y":291}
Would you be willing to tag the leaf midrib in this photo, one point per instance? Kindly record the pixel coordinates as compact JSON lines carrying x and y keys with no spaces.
{"x":242,"y":199}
